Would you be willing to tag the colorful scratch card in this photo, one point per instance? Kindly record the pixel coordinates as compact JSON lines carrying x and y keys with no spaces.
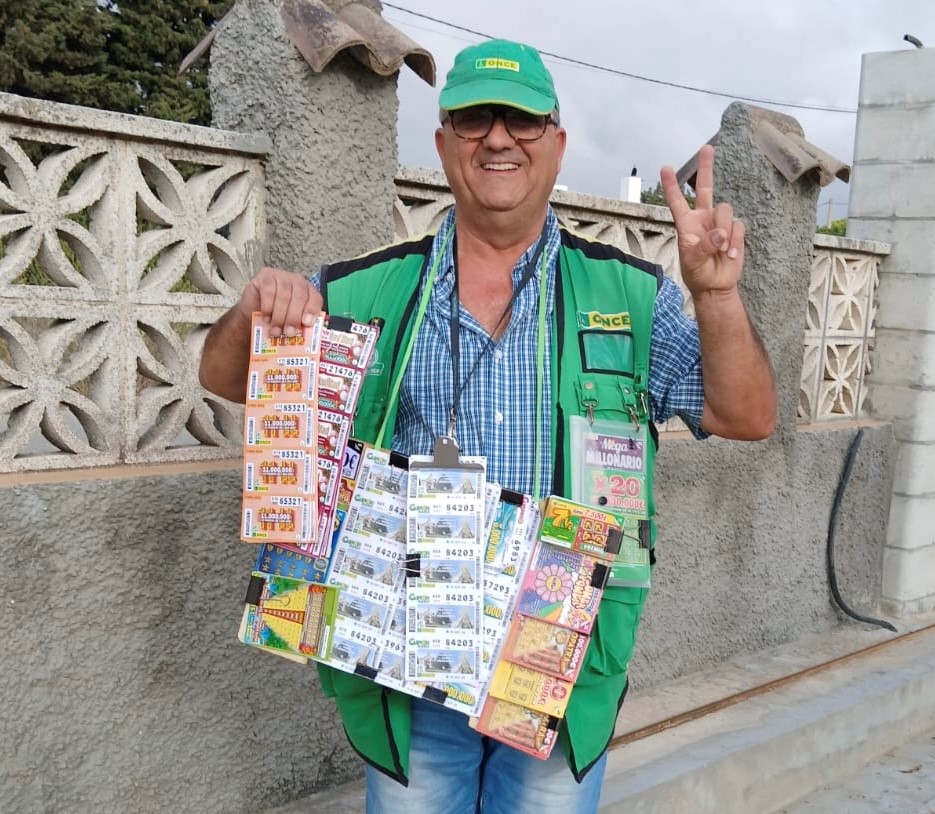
{"x":545,"y":647}
{"x":530,"y":688}
{"x":580,"y":528}
{"x":289,"y":615}
{"x":562,"y":587}
{"x":525,"y":729}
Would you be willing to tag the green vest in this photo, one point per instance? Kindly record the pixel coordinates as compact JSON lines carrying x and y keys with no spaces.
{"x":591,"y":277}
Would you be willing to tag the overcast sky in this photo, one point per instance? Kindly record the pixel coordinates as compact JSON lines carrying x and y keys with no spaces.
{"x":794,"y":51}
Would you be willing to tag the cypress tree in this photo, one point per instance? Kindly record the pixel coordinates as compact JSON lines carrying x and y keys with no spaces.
{"x":120,"y":56}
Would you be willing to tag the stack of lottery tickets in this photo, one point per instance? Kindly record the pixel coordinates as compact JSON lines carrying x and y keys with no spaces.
{"x":413,"y":614}
{"x":301,"y":395}
{"x":543,"y":575}
{"x":423,"y":578}
{"x":547,"y":637}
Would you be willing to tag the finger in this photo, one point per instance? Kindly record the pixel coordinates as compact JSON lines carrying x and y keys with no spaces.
{"x":675,"y":200}
{"x":707,"y":243}
{"x":300,"y":304}
{"x":704,"y":178}
{"x":260,"y":293}
{"x":723,"y":223}
{"x":717,"y":241}
{"x":249,"y":299}
{"x":728,"y":242}
{"x":736,"y":242}
{"x":275,"y":287}
{"x":278,"y":308}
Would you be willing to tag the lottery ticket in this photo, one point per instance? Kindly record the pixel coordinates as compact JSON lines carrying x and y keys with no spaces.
{"x":333,"y":430}
{"x":290,"y":561}
{"x":288,"y":615}
{"x":535,"y":733}
{"x":280,"y":471}
{"x":459,"y":662}
{"x":362,"y":608}
{"x":349,"y":654}
{"x":306,"y":342}
{"x":365,"y":562}
{"x":562,"y":587}
{"x":530,"y":688}
{"x":287,"y":425}
{"x":545,"y":647}
{"x":580,"y":528}
{"x":278,"y":519}
{"x":444,"y":575}
{"x":345,"y":342}
{"x":338,"y":387}
{"x":282,"y":378}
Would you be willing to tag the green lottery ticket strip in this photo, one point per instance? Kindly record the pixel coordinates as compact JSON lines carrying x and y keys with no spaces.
{"x":446,"y":587}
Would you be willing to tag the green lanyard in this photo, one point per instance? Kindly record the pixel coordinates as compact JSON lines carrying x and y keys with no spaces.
{"x":420,"y":315}
{"x":539,"y":255}
{"x":540,"y":383}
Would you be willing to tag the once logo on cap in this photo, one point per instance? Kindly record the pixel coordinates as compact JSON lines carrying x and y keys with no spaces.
{"x":494,"y":62}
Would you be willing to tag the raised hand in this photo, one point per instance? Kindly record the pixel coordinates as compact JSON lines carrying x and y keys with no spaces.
{"x":710,"y":241}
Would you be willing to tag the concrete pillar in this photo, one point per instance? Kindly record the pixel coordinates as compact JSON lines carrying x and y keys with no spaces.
{"x":893,"y":200}
{"x":330,"y":177}
{"x":780,"y":220}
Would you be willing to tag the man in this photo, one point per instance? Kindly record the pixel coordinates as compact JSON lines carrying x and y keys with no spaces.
{"x":504,"y":280}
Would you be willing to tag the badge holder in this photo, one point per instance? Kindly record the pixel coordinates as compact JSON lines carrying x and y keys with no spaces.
{"x":610,"y":473}
{"x":444,"y":571}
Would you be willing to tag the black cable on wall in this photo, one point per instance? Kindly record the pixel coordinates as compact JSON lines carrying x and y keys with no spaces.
{"x":835,"y":507}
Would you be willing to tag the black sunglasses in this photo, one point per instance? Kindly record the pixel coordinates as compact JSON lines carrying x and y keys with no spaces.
{"x":474,"y":123}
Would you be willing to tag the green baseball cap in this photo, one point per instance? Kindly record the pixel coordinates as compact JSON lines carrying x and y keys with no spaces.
{"x":499,"y":72}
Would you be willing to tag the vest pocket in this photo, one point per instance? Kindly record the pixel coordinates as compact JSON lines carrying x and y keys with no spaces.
{"x":606,"y":352}
{"x":371,"y":406}
{"x":614,"y":635}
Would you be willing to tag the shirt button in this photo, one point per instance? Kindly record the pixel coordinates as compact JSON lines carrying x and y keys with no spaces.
{"x":498,"y":417}
{"x":498,"y":354}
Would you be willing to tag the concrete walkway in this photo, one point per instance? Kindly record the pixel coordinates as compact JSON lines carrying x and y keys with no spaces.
{"x":900,"y":782}
{"x":761,"y":734}
{"x":837,"y":724}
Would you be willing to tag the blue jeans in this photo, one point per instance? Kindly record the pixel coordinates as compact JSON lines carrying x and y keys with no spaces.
{"x":455,"y":770}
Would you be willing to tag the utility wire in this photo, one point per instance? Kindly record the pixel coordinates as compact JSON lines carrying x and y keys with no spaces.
{"x":638,"y":77}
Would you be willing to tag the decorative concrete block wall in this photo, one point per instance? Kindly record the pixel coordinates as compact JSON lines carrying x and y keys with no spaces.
{"x":122,"y":239}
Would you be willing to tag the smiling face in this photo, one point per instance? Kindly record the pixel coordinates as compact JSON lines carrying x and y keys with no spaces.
{"x":498,"y":181}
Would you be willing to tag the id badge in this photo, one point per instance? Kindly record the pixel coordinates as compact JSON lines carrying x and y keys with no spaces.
{"x":609,"y":472}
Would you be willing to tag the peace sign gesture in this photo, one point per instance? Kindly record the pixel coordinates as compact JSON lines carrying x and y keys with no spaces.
{"x":710,"y":241}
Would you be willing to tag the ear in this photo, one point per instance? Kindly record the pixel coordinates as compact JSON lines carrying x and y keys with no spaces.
{"x":561,"y":137}
{"x":440,"y":143}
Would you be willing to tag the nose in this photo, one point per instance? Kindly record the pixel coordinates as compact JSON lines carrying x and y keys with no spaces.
{"x":498,"y":134}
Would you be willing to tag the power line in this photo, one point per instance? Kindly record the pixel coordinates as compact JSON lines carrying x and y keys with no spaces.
{"x":638,"y":77}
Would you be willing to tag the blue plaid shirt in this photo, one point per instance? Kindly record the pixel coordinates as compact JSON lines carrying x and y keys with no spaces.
{"x":496,"y":411}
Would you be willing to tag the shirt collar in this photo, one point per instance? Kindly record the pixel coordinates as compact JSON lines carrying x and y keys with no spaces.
{"x":445,"y":280}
